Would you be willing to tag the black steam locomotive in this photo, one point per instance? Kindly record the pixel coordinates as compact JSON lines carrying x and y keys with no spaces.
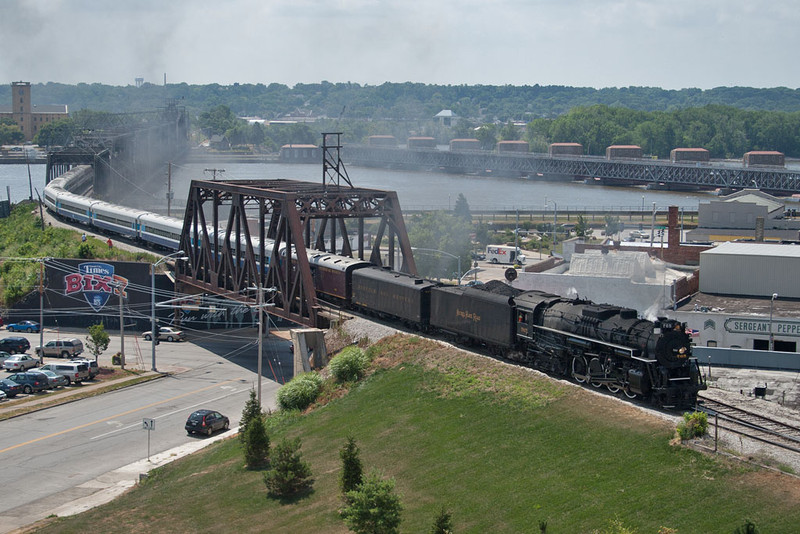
{"x":595,"y":344}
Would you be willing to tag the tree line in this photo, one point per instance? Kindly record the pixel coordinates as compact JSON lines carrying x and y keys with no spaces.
{"x":401,"y":101}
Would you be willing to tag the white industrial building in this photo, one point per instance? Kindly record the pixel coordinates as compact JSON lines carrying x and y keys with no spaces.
{"x":751,"y":269}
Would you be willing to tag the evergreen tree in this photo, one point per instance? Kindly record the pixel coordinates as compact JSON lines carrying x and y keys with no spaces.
{"x":352,"y":469}
{"x":373,"y":507}
{"x":256,"y":444}
{"x":289,"y":473}
{"x":461,"y":208}
{"x":443,"y":523}
{"x":251,"y":410}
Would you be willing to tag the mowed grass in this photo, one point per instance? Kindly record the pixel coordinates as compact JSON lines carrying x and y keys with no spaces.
{"x":501,"y":448}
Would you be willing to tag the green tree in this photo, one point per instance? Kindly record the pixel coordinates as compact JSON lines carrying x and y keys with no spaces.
{"x":443,"y":523}
{"x":57,"y":133}
{"x":10,"y":133}
{"x":373,"y":507}
{"x":97,"y":340}
{"x":352,"y":469}
{"x":613,"y":225}
{"x":256,"y":443}
{"x":217,"y":121}
{"x":487,"y":135}
{"x":581,"y":227}
{"x":461,"y":208}
{"x":289,"y":473}
{"x":251,"y":411}
{"x":440,"y":231}
{"x":509,"y":132}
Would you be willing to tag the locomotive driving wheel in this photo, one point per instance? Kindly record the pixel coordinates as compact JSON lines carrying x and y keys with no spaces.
{"x":612,"y":387}
{"x":596,"y":368}
{"x":628,"y":393}
{"x":580,"y":369}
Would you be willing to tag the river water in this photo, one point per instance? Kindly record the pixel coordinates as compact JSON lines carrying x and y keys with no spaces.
{"x":416,"y":190}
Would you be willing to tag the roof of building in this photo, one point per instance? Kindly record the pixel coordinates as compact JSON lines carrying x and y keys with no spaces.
{"x":39,"y":108}
{"x":691,"y":149}
{"x":755,"y":196}
{"x":737,"y":248}
{"x":770,"y":152}
{"x":445,"y":113}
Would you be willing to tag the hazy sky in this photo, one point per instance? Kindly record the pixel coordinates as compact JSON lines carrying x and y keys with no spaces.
{"x":595,"y":43}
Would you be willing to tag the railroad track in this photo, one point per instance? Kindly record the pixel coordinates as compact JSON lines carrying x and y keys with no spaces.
{"x":750,"y":424}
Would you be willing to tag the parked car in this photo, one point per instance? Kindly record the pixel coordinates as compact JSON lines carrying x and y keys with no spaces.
{"x":24,"y":326}
{"x":20,"y":362}
{"x":10,"y":388}
{"x":206,"y":422}
{"x":4,"y":356}
{"x":166,"y":333}
{"x":94,"y":369}
{"x":73,"y":371}
{"x":63,"y":348}
{"x":14,"y":345}
{"x":54,"y":380}
{"x":3,"y":395}
{"x":31,"y":381}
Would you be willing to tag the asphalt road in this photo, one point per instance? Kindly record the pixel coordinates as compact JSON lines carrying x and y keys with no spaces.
{"x":58,"y":455}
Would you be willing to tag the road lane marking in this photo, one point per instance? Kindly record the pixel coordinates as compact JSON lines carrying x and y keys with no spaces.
{"x":139,"y":424}
{"x":134,"y":410}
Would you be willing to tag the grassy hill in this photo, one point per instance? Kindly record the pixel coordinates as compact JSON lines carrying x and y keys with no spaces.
{"x":22,"y":236}
{"x":502,"y":448}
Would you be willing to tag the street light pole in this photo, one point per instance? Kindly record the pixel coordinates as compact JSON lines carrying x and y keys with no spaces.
{"x":771,"y":335}
{"x":153,"y":331}
{"x":555,"y":217}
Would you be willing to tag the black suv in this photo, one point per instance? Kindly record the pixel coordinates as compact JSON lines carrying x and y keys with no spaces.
{"x":13,"y":345}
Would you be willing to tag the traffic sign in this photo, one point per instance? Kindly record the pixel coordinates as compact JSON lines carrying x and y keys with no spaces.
{"x":149,"y":424}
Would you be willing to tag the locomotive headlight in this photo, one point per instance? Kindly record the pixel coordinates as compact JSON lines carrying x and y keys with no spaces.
{"x":682,"y":353}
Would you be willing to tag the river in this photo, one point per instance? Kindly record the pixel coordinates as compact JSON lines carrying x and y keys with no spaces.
{"x":416,"y":190}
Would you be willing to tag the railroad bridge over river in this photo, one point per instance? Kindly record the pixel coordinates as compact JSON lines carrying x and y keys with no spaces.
{"x":657,"y":174}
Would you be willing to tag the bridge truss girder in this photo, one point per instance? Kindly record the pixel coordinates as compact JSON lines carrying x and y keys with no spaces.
{"x":645,"y":172}
{"x":264,"y":218}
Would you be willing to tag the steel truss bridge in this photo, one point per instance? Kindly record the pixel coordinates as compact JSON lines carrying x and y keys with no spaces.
{"x":656,"y":173}
{"x":264,"y":219}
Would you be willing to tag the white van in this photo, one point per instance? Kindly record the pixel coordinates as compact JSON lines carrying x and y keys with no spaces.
{"x":503,"y":254}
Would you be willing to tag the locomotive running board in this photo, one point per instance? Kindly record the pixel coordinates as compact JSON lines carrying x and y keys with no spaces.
{"x":621,"y":348}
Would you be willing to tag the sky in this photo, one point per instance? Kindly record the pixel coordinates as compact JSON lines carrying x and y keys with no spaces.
{"x":672,"y":44}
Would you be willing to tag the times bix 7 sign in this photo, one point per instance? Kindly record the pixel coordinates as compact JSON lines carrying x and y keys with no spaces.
{"x":85,"y":292}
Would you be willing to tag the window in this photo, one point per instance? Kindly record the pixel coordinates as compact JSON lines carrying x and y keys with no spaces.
{"x":711,"y":344}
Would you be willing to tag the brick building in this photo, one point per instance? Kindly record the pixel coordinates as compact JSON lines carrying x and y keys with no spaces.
{"x":29,"y":117}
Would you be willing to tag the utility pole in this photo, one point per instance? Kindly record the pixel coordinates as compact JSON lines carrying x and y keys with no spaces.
{"x":41,"y":311}
{"x":214,"y":173}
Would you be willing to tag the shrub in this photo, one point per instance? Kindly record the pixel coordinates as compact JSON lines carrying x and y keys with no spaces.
{"x":349,"y":365}
{"x":289,"y":474}
{"x":694,"y":425}
{"x":300,"y":392}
